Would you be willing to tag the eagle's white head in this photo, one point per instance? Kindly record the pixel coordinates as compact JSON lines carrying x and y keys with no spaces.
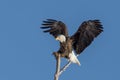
{"x":61,"y":38}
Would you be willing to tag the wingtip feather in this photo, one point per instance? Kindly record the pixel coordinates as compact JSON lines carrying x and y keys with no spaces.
{"x":51,"y":20}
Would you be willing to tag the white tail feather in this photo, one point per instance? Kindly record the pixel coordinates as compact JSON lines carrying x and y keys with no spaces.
{"x":73,"y":58}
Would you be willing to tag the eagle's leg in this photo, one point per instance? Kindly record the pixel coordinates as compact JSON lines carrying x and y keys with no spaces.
{"x":56,"y":54}
{"x":61,"y":55}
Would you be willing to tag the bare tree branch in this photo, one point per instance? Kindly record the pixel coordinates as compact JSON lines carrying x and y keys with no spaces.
{"x":56,"y":77}
{"x":59,"y":70}
{"x":65,"y":67}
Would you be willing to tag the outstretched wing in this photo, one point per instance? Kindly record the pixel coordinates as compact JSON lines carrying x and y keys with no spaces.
{"x":54,"y":27}
{"x":85,"y":34}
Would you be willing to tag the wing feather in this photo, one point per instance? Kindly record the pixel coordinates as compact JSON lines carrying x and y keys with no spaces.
{"x":54,"y":27}
{"x":85,"y":34}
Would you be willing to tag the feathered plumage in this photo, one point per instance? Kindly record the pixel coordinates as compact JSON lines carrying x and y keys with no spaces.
{"x":85,"y":34}
{"x":55,"y":27}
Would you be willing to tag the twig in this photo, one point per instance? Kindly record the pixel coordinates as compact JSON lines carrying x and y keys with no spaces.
{"x":56,"y":77}
{"x":65,"y":67}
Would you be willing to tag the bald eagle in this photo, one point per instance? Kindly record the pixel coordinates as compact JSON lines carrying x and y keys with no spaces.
{"x":69,"y":45}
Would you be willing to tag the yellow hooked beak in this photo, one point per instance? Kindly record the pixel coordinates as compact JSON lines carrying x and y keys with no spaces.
{"x":56,"y":38}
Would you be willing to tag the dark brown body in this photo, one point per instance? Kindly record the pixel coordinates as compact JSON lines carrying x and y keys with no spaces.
{"x":65,"y":48}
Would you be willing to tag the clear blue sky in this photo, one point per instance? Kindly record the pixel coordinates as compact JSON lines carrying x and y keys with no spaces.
{"x":26,"y":52}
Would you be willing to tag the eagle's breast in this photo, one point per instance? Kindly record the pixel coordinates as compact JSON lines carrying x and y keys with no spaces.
{"x":66,"y":48}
